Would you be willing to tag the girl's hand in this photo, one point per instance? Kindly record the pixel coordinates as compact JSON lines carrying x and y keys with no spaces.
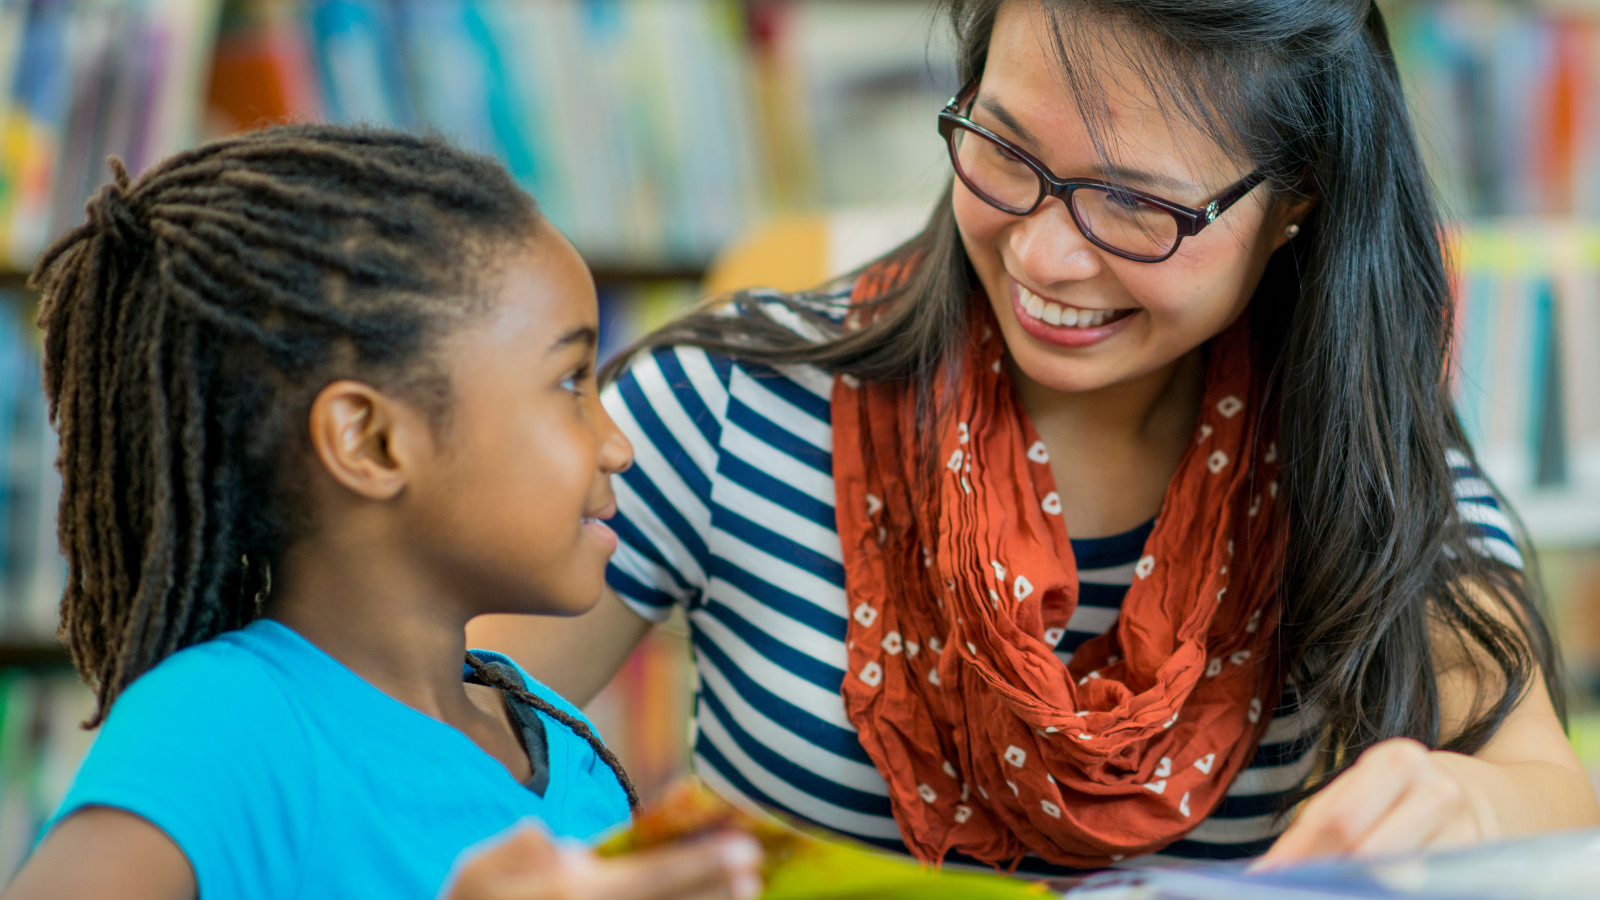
{"x":527,"y":866}
{"x":1398,"y":796}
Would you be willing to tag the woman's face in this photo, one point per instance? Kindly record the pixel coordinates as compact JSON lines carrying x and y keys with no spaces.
{"x":1148,"y":314}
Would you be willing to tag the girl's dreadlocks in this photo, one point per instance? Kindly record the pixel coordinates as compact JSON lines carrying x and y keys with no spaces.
{"x":190,"y":322}
{"x":495,"y":678}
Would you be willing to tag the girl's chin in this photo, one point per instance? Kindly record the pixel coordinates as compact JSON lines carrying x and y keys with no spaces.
{"x":601,"y":533}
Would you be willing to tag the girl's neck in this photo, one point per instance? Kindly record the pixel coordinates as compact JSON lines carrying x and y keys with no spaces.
{"x":368,"y":609}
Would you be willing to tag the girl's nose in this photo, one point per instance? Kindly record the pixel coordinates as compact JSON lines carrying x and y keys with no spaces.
{"x":616,"y":451}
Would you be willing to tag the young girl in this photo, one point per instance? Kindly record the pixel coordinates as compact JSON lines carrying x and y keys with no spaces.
{"x":325,"y":395}
{"x":1125,"y":506}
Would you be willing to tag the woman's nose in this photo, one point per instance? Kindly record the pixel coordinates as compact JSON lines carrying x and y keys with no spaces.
{"x":1050,"y":247}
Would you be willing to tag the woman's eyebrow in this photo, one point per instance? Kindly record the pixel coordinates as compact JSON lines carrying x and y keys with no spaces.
{"x":1121,"y":175}
{"x":1113,"y":173}
{"x":1008,"y":120}
{"x":583,"y":334}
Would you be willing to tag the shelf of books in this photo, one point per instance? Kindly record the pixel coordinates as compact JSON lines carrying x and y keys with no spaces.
{"x":654,"y":131}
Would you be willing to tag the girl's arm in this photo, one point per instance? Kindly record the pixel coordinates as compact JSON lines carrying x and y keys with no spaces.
{"x":576,"y":656}
{"x":101,"y":852}
{"x":1400,"y":796}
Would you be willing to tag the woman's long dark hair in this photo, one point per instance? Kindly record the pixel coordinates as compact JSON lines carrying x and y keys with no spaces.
{"x":1382,"y":576}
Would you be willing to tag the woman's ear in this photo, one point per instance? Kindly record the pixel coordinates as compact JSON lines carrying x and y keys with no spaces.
{"x":365,"y":439}
{"x":1290,"y":214}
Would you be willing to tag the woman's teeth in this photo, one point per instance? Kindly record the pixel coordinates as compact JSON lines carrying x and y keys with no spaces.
{"x":1070,"y":316}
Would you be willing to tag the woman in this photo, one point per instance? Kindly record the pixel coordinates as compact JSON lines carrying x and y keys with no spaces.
{"x":1183,"y":302}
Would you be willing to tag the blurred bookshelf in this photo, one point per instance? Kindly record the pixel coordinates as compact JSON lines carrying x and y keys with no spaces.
{"x":653,"y":132}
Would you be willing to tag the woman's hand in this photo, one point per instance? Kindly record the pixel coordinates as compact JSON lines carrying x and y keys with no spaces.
{"x":527,"y":866}
{"x":1398,"y":796}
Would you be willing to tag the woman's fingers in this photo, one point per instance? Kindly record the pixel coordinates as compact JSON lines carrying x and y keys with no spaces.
{"x":1432,"y":811}
{"x":1347,"y":811}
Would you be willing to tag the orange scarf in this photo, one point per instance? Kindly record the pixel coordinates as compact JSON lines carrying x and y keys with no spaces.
{"x":990,"y":745}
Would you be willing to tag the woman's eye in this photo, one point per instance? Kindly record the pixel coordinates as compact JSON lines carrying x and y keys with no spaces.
{"x":1004,"y":155}
{"x":1126,"y":202}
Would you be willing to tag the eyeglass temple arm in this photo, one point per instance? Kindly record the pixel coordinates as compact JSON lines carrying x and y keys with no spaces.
{"x":1227,"y":198}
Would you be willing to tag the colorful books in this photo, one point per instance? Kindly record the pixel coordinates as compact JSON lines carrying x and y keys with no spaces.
{"x":41,"y":745}
{"x":1527,"y":359}
{"x":84,"y":79}
{"x":1506,"y":99}
{"x":32,"y":571}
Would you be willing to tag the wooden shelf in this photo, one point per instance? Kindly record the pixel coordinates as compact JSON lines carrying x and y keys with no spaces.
{"x":13,"y":280}
{"x":604,"y":274}
{"x":35,"y":653}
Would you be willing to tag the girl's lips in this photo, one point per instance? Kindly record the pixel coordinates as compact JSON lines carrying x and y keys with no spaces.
{"x":601,"y":532}
{"x":1064,"y":335}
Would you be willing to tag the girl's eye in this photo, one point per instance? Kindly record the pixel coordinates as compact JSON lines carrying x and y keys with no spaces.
{"x":575,"y":380}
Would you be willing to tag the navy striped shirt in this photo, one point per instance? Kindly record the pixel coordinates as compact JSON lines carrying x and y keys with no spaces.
{"x":728,"y":511}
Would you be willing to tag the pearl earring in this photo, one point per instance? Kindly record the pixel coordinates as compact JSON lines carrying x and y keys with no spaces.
{"x":1292,"y":230}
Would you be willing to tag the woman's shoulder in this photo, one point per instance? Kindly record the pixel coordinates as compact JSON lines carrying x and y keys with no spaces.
{"x":1491,"y":532}
{"x":684,"y":390}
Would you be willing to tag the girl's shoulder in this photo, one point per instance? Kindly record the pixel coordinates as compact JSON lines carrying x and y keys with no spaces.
{"x":231,"y":683}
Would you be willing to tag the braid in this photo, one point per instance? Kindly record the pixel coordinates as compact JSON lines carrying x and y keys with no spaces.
{"x":494,"y":678}
{"x":190,"y":321}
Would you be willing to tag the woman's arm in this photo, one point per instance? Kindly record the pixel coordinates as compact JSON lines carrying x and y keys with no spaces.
{"x":576,"y":657}
{"x":1400,"y":796}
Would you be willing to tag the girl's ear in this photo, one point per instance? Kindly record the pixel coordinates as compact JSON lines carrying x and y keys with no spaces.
{"x":365,"y":439}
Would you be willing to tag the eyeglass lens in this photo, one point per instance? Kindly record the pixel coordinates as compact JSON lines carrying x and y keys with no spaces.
{"x":1117,"y":220}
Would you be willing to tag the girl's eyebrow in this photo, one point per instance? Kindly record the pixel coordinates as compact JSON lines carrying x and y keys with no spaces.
{"x":1109,"y":172}
{"x":583,"y":334}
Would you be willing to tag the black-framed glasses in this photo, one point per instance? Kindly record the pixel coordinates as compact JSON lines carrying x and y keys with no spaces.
{"x":1129,"y":223}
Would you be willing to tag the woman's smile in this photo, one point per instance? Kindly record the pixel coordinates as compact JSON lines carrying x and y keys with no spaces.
{"x":1063,"y":324}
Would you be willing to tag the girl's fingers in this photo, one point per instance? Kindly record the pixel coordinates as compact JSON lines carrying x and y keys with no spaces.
{"x":524,"y":851}
{"x":721,"y":869}
{"x":527,"y":866}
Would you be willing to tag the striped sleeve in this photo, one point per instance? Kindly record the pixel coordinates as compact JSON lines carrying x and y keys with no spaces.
{"x":1490,"y":528}
{"x":671,"y":404}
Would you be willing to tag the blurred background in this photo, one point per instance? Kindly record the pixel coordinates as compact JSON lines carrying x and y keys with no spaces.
{"x":658,"y":133}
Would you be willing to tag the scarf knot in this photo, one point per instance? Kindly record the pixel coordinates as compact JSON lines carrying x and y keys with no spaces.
{"x":959,"y":590}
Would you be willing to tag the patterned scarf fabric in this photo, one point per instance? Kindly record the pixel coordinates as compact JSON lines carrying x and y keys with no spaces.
{"x":959,"y":589}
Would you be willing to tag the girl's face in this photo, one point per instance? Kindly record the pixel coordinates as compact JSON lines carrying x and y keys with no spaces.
{"x":1143,"y":316}
{"x":512,"y":508}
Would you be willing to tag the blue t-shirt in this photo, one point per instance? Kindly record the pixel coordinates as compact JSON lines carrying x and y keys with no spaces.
{"x":280,"y":774}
